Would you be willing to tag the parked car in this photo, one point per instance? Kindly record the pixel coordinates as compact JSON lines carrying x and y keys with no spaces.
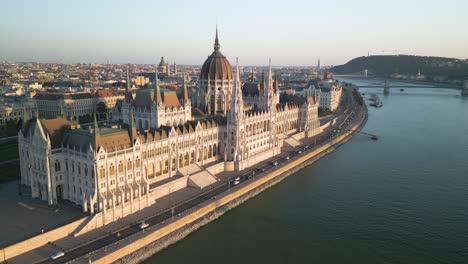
{"x":143,"y":225}
{"x":57,"y":255}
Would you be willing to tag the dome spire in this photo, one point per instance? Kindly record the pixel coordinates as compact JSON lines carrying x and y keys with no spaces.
{"x":216,"y":44}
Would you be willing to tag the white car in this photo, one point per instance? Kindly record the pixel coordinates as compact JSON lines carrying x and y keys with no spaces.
{"x":236,"y":182}
{"x":57,"y":255}
{"x":237,"y":179}
{"x":275,"y":163}
{"x":143,"y":225}
{"x":287,"y":157}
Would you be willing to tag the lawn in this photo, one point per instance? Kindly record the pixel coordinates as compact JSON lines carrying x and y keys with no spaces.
{"x":8,"y":151}
{"x":9,"y":172}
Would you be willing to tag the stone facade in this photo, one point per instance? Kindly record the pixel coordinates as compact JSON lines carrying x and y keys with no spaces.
{"x":156,"y":141}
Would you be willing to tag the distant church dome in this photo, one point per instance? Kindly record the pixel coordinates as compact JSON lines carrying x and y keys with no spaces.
{"x":216,"y":67}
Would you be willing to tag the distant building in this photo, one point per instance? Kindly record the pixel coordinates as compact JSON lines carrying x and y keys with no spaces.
{"x":164,"y":67}
{"x":140,"y":80}
{"x":71,"y":105}
{"x":109,"y":97}
{"x":17,"y":111}
{"x":330,"y":95}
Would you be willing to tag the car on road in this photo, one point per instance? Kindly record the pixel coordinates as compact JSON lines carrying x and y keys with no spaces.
{"x":287,"y":157}
{"x":57,"y":255}
{"x":237,"y":179}
{"x":236,"y":182}
{"x":300,"y":151}
{"x":275,"y":163}
{"x":143,"y":225}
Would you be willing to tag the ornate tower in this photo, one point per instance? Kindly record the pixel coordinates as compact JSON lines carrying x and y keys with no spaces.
{"x":127,"y":104}
{"x":235,"y":150}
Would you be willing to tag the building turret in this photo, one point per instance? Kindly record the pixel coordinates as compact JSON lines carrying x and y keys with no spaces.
{"x":185,"y":98}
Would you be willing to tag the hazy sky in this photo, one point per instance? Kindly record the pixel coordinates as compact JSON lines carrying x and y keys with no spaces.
{"x":292,"y":32}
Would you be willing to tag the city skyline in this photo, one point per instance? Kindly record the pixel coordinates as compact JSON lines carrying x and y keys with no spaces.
{"x":143,"y":31}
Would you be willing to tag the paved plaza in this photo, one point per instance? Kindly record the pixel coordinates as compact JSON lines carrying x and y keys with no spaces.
{"x":23,"y":217}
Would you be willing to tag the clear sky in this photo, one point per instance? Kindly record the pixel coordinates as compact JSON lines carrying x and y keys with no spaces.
{"x":291,"y":32}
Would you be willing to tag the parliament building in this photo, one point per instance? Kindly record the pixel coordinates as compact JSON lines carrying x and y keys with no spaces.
{"x":158,"y":145}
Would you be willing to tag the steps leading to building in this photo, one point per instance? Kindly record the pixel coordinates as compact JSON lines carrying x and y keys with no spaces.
{"x":292,"y":142}
{"x":201,"y":179}
{"x":190,"y":169}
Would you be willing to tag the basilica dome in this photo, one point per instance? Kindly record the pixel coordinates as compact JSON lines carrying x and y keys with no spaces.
{"x":216,"y":67}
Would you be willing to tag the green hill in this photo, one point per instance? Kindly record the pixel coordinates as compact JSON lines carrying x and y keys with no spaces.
{"x":437,"y":68}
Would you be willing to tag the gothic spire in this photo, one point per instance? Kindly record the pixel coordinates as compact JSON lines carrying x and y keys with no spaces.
{"x":184,"y":85}
{"x":95,"y":123}
{"x":132,"y":127}
{"x":276,"y":87}
{"x":237,"y":104}
{"x":156,"y":86}
{"x":96,"y":133}
{"x":269,"y":69}
{"x":216,"y":44}
{"x":128,"y":78}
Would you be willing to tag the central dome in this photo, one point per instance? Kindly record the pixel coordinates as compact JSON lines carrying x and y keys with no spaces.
{"x":216,"y":67}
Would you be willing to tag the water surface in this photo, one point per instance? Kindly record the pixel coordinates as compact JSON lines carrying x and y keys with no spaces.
{"x":402,"y":199}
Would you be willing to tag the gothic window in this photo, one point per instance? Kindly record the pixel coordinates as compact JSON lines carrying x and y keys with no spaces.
{"x":85,"y":170}
{"x":102,"y":173}
{"x":120,"y":168}
{"x":111,"y":170}
{"x":79,"y":169}
{"x":57,"y":165}
{"x":137,"y":162}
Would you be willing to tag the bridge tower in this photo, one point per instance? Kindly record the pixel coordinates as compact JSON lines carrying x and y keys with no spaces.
{"x":386,"y":89}
{"x":465,"y":88}
{"x":365,"y":73}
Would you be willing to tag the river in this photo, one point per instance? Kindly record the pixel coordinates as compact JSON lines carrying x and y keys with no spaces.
{"x":401,"y":199}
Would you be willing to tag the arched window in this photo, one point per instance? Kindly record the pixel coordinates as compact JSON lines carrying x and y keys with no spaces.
{"x":102,"y":173}
{"x":120,"y":168}
{"x":85,"y":170}
{"x":111,"y":170}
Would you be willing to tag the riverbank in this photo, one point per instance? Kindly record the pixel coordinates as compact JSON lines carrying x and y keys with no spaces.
{"x":416,"y":82}
{"x":142,"y":245}
{"x":401,"y":199}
